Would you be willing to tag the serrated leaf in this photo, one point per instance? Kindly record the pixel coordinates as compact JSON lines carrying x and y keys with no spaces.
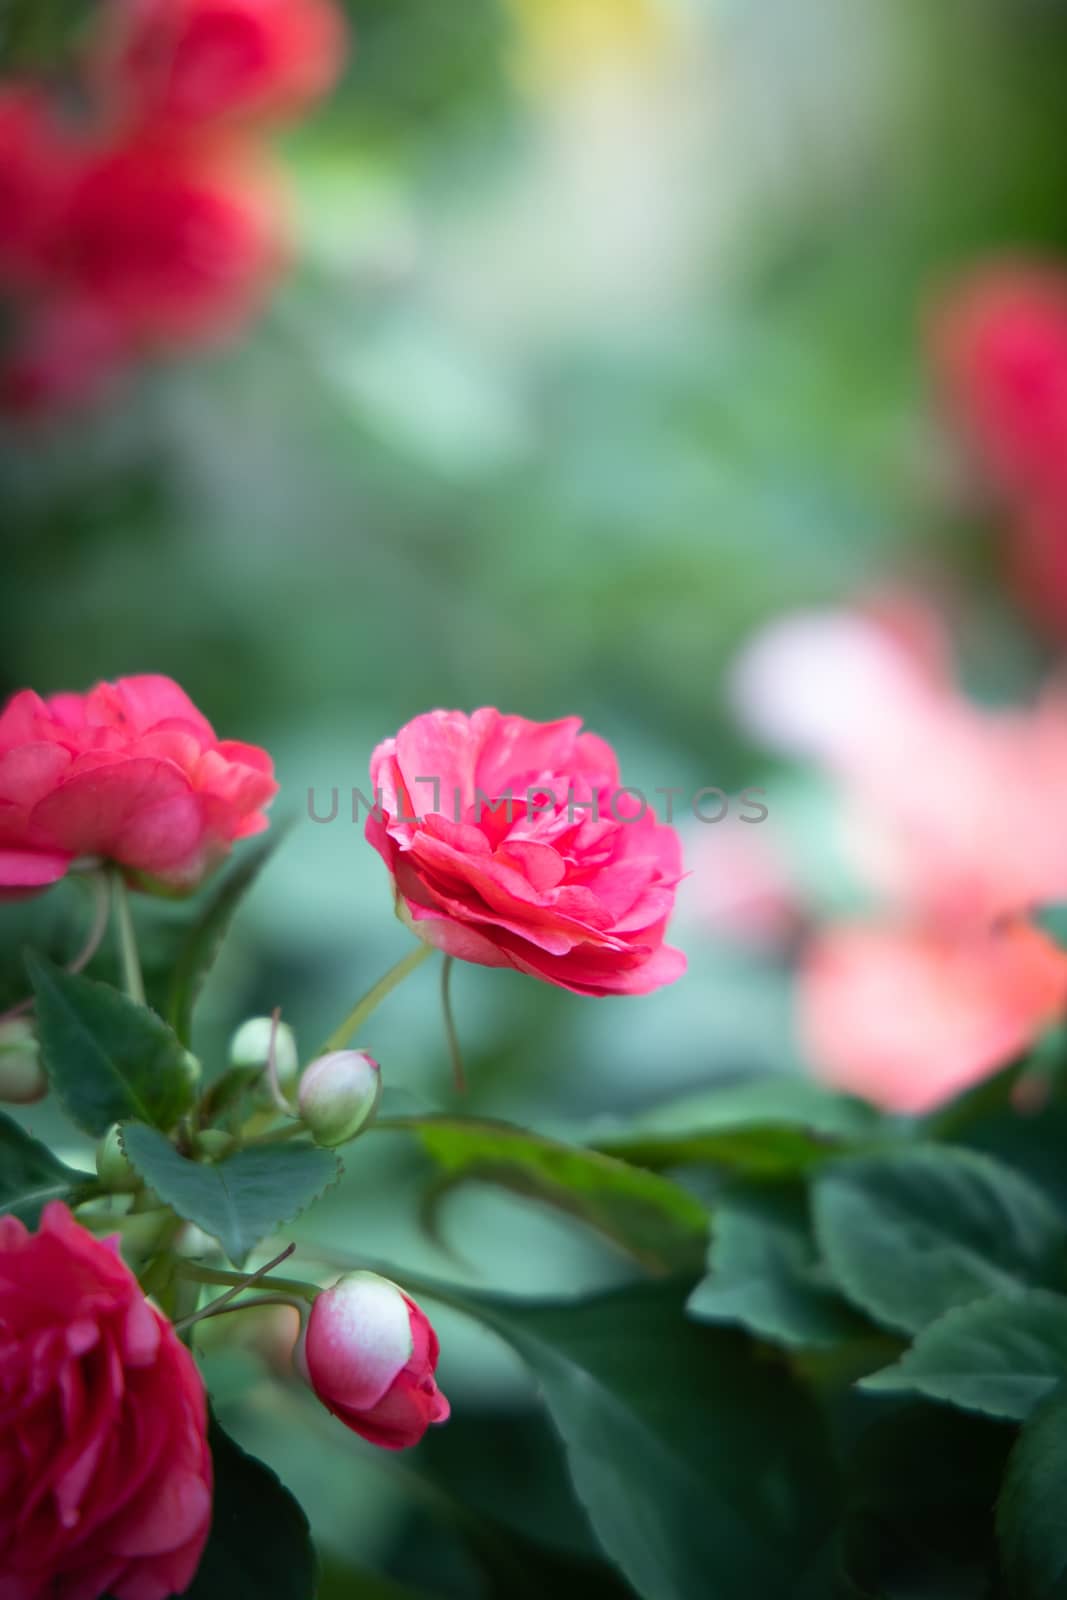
{"x":700,"y":1465}
{"x":1031,"y":1520}
{"x":764,"y":1273}
{"x":31,"y":1176}
{"x":107,"y":1058}
{"x":201,"y":945}
{"x":658,"y":1222}
{"x":1001,"y":1356}
{"x":238,"y":1200}
{"x":768,"y":1127}
{"x":909,"y":1234}
{"x":259,"y":1543}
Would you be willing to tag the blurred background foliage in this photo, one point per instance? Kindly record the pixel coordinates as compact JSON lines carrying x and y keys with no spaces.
{"x":602,"y":344}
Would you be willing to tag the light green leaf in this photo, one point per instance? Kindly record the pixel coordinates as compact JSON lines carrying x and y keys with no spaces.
{"x":911,"y":1233}
{"x":203,"y":941}
{"x":1031,"y":1517}
{"x":768,"y":1127}
{"x":659,"y":1223}
{"x":259,"y":1543}
{"x":30,"y":1175}
{"x":1001,"y":1356}
{"x":764,"y":1273}
{"x":107,"y":1058}
{"x":240,"y":1199}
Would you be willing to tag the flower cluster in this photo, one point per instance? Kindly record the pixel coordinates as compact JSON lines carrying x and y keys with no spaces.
{"x":138,"y":206}
{"x":951,"y":818}
{"x":1000,"y":351}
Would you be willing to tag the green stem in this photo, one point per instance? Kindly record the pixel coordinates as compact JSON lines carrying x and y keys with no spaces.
{"x":459,"y":1077}
{"x":242,"y":1280}
{"x":132,"y":980}
{"x":217,"y":1309}
{"x":373,"y":998}
{"x":289,"y":1130}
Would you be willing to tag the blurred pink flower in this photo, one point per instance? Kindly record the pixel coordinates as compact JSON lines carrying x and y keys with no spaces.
{"x":952,"y":816}
{"x":908,"y":1018}
{"x":741,"y":886}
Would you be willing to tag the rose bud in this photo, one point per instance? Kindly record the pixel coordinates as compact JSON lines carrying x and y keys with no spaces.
{"x":370,"y":1355}
{"x":107,"y":1470}
{"x":22,"y":1077}
{"x":250,"y":1048}
{"x":113,"y":1166}
{"x":339,"y":1095}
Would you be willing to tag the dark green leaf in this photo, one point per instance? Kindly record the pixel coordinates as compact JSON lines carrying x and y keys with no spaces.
{"x":699,"y":1465}
{"x":764,"y":1273}
{"x":921,"y":1485}
{"x":238,"y":1200}
{"x":259,"y":1542}
{"x":1000,"y":1356}
{"x":768,"y":1127}
{"x":203,"y":941}
{"x":108,"y":1059}
{"x":1032,"y":1515}
{"x":30,"y":1175}
{"x":911,"y":1233}
{"x":659,"y":1223}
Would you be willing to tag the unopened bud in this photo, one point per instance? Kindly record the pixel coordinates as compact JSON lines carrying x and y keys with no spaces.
{"x":113,"y":1165}
{"x":250,"y":1047}
{"x":339,"y":1095}
{"x":22,"y":1077}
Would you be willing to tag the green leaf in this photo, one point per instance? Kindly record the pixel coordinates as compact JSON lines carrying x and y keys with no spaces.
{"x":1031,"y":1519}
{"x":238,"y":1200}
{"x":920,"y":1487}
{"x":1052,"y":919}
{"x":699,"y":1464}
{"x":259,"y":1542}
{"x":107,"y":1058}
{"x":30,"y":1175}
{"x":1000,"y":1356}
{"x":768,"y":1127}
{"x":201,"y":945}
{"x":659,"y":1223}
{"x":765,"y":1275}
{"x":911,"y":1233}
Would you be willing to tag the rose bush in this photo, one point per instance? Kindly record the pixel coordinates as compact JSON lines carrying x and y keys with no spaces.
{"x":130,"y":772}
{"x":105,"y":1473}
{"x":566,"y":880}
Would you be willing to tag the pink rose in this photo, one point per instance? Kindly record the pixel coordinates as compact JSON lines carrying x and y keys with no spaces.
{"x":908,"y":1018}
{"x":562,"y":889}
{"x":370,"y":1355}
{"x":105,"y":1472}
{"x":130,"y":772}
{"x":187,"y":63}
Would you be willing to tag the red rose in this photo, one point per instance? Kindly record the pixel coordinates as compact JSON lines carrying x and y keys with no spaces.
{"x":575,"y":886}
{"x":370,"y":1355}
{"x":170,"y":242}
{"x":188,"y":63}
{"x":105,"y":1473}
{"x":130,"y":772}
{"x":66,"y":353}
{"x":36,"y":166}
{"x":1000,"y":348}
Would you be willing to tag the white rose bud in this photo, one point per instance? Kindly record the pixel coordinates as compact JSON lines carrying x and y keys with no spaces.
{"x":22,"y":1077}
{"x":250,"y":1047}
{"x":339,"y":1095}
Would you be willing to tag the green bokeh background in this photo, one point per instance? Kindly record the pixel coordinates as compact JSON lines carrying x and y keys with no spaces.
{"x":602,"y":345}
